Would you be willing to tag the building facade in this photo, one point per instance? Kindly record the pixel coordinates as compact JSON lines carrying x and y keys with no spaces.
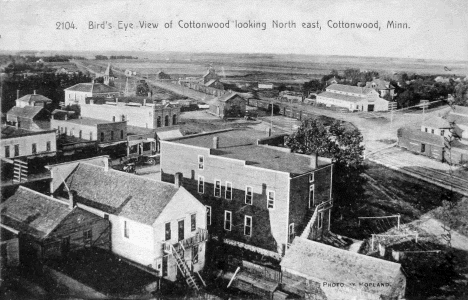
{"x":230,"y":105}
{"x":23,"y":143}
{"x":32,"y":100}
{"x":352,"y":98}
{"x":157,"y":225}
{"x":257,"y":196}
{"x":78,"y":93}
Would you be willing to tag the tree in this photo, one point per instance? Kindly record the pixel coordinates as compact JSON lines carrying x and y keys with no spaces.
{"x":460,"y":94}
{"x":344,"y":148}
{"x":142,"y":89}
{"x":313,"y":85}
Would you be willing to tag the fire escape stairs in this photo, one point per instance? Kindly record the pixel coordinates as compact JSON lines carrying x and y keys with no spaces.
{"x":184,"y":269}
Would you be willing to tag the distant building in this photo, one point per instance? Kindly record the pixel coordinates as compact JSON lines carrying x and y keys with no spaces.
{"x":210,"y":75}
{"x":229,"y":105}
{"x":33,"y":100}
{"x":153,"y":222}
{"x":139,"y":112}
{"x":265,"y":86}
{"x":312,"y":269}
{"x":258,"y":197}
{"x":383,"y":87}
{"x":29,"y":117}
{"x":352,"y":98}
{"x":17,"y":142}
{"x":431,"y":139}
{"x":79,"y":92}
{"x":162,"y":76}
{"x":49,"y":227}
{"x":105,"y":133}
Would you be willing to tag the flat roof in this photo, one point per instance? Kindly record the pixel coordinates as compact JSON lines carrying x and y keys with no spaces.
{"x":241,"y":144}
{"x":88,"y":121}
{"x":12,"y":132}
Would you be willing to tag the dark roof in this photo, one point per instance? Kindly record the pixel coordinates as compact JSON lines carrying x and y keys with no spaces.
{"x":349,"y":89}
{"x":28,"y":112}
{"x":117,"y":192}
{"x":241,"y":144}
{"x":34,"y":213}
{"x":324,"y":263}
{"x":34,"y":98}
{"x":11,"y":132}
{"x":436,"y":122}
{"x":91,"y":87}
{"x":227,"y":97}
{"x":133,"y":99}
{"x":380,"y":84}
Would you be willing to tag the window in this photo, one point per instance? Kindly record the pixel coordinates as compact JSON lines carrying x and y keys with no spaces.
{"x":158,"y":122}
{"x":248,"y":195}
{"x":425,"y":129}
{"x":112,"y":135}
{"x":193,"y":222}
{"x":159,"y":264}
{"x":271,"y":200}
{"x":442,"y":132}
{"x":102,"y":136}
{"x":66,"y":130}
{"x":48,"y":147}
{"x":88,"y":236}
{"x":291,"y":233}
{"x":201,"y":161}
{"x":90,"y":136}
{"x":201,"y":184}
{"x":311,"y":195}
{"x":432,"y":131}
{"x":248,"y":225}
{"x":147,"y":146}
{"x":17,"y":152}
{"x":311,"y":177}
{"x":7,"y":151}
{"x":217,"y":188}
{"x":164,"y":265}
{"x":121,"y":134}
{"x":320,"y":219}
{"x":227,"y":220}
{"x":126,"y":230}
{"x":166,"y":121}
{"x":208,"y":215}
{"x":34,"y":148}
{"x":228,"y":193}
{"x":174,"y":119}
{"x":423,"y":147}
{"x":167,"y":227}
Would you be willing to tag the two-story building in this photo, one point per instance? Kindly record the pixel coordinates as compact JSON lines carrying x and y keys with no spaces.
{"x":353,"y":98}
{"x":32,"y":100}
{"x":383,"y":87}
{"x":22,"y":143}
{"x":29,"y":117}
{"x":157,"y":225}
{"x":257,"y":196}
{"x":78,"y":93}
{"x":230,"y":105}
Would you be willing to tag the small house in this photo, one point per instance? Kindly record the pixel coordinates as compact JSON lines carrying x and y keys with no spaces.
{"x":229,"y":105}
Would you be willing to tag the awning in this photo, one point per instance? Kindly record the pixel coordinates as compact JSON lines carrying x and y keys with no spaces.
{"x":170,"y":134}
{"x":105,"y":145}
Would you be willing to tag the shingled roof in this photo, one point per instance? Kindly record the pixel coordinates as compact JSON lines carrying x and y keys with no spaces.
{"x":34,"y":98}
{"x":33,"y":213}
{"x":323,"y":263}
{"x":28,"y":112}
{"x":347,"y":98}
{"x":349,"y":89}
{"x":436,"y":122}
{"x":116,"y":192}
{"x":91,"y":87}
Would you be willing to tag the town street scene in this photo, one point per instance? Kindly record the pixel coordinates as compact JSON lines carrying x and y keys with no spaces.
{"x":156,"y":174}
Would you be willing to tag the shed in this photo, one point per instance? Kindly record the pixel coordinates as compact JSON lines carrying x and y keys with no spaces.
{"x":230,"y":105}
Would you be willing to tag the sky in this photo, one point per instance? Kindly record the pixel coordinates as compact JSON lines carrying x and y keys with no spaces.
{"x":438,"y":29}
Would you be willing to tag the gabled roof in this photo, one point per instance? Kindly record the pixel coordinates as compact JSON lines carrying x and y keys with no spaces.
{"x":227,"y":97}
{"x":34,"y":98}
{"x":348,"y":98}
{"x":324,"y":263}
{"x":137,"y":198}
{"x":211,"y":82}
{"x":420,"y":136}
{"x":28,"y":112}
{"x":436,"y":122}
{"x":380,"y":84}
{"x":33,"y":213}
{"x":95,"y":88}
{"x":109,"y":71}
{"x":349,"y":89}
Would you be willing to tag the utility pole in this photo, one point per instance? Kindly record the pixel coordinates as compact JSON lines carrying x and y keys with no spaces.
{"x":271,"y":117}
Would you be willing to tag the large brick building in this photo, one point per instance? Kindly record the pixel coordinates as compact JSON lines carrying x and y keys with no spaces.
{"x":258,"y":196}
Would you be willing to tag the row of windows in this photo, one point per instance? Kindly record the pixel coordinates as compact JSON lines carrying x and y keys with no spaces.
{"x":228,"y":222}
{"x":64,"y":130}
{"x":248,"y":198}
{"x":180,"y":227}
{"x":166,"y":120}
{"x":442,"y":131}
{"x":17,"y":149}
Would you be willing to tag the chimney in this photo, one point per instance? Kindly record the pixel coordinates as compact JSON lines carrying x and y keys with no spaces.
{"x":17,"y":94}
{"x":66,"y":116}
{"x":215,"y":142}
{"x":106,"y":164}
{"x":178,"y":179}
{"x":71,"y":200}
{"x":113,"y":118}
{"x":34,"y":92}
{"x":144,"y":101}
{"x":313,"y":161}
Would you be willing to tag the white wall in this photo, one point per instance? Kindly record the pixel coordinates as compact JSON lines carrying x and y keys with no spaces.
{"x":25,"y":144}
{"x":136,"y":116}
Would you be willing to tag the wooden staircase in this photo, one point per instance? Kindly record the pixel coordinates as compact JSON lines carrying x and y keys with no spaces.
{"x":184,"y":269}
